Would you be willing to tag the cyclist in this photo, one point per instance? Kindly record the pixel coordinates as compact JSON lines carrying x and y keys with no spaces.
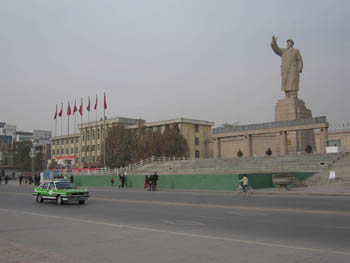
{"x":244,"y":183}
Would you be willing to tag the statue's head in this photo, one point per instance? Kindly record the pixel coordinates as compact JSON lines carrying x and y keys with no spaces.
{"x":290,"y":43}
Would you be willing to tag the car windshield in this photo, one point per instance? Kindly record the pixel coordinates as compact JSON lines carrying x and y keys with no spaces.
{"x":65,"y":185}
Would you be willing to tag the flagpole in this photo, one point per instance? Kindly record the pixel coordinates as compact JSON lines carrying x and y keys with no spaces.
{"x":75,"y":116}
{"x":104,"y":132}
{"x":81,"y":113}
{"x":61,"y":120}
{"x":89,"y":110}
{"x":56,"y":122}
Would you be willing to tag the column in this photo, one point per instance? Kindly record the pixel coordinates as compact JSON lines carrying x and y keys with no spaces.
{"x":217,"y":150}
{"x":283,"y":143}
{"x":249,"y":145}
{"x":323,"y":140}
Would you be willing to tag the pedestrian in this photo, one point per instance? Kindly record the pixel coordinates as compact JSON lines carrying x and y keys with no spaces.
{"x":112,"y":181}
{"x":2,"y":175}
{"x":154,"y":181}
{"x":71,"y":179}
{"x":150,"y":182}
{"x":123,"y":180}
{"x":30,"y":179}
{"x":20,"y":179}
{"x":146,"y":182}
{"x":6,"y":179}
{"x":119,"y":180}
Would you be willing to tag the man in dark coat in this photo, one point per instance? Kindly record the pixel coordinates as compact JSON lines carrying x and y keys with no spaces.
{"x":154,"y":181}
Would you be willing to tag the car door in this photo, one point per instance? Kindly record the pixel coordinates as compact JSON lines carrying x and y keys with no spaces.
{"x":42,"y":190}
{"x":52,"y":192}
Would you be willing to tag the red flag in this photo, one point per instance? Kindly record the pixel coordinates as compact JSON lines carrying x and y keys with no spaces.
{"x":61,"y":111}
{"x":81,"y":108}
{"x":105,"y":101}
{"x":95,"y":103}
{"x":55,"y":117}
{"x":88,"y":106}
{"x":75,"y":109}
{"x":68,"y":110}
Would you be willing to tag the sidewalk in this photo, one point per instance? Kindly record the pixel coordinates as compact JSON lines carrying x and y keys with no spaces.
{"x":330,"y":189}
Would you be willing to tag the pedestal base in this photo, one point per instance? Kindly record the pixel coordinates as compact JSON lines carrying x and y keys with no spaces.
{"x":294,"y":109}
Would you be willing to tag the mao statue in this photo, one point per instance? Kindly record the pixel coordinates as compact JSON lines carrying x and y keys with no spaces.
{"x":291,"y":67}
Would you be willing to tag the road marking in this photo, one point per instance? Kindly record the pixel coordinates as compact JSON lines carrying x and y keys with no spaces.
{"x":243,"y":241}
{"x":244,"y":208}
{"x":183,"y":223}
{"x":241,"y":213}
{"x":238,"y":207}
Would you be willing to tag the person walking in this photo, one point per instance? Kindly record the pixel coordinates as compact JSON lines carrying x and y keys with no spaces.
{"x":154,"y":181}
{"x":112,"y":181}
{"x":123,"y":180}
{"x":6,"y":179}
{"x":119,"y":180}
{"x":150,"y":182}
{"x":20,"y":179}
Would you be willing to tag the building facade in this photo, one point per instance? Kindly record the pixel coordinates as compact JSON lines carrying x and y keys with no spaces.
{"x":84,"y":149}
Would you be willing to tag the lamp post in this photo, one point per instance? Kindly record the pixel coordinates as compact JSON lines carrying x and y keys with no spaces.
{"x":32,"y":155}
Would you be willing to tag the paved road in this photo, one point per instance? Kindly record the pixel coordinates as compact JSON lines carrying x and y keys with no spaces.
{"x":138,"y":226}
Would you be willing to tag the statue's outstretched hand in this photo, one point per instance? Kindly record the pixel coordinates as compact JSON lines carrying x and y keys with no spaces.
{"x":274,"y":39}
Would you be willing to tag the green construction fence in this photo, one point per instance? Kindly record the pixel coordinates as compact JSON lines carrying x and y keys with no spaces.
{"x":186,"y":182}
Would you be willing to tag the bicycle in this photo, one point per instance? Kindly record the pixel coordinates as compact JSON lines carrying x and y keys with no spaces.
{"x":239,"y":190}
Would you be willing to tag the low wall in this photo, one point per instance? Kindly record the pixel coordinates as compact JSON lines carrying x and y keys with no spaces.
{"x":185,"y":182}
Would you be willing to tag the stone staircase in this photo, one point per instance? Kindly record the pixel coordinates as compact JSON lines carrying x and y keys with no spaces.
{"x":272,"y":164}
{"x":342,"y":172}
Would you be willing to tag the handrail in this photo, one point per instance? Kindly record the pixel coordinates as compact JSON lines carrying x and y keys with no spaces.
{"x":126,"y":169}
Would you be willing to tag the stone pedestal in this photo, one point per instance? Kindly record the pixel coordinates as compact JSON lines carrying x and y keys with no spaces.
{"x":288,"y":109}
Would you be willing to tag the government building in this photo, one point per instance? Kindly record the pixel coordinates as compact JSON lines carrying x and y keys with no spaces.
{"x":83,"y":149}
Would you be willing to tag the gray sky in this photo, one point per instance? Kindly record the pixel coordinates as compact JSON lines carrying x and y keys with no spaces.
{"x":164,"y":59}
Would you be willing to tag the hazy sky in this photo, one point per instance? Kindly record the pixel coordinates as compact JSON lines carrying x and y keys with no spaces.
{"x":165,"y":59}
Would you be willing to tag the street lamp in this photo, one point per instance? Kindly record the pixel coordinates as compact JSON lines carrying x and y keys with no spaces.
{"x":32,"y":155}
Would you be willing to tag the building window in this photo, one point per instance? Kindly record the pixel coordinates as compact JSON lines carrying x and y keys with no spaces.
{"x":93,"y":135}
{"x":62,"y":151}
{"x":99,"y":147}
{"x":66,"y":150}
{"x":88,"y":136}
{"x":77,"y":139}
{"x":98,"y":134}
{"x":196,"y":141}
{"x":72,"y":140}
{"x":197,"y":155}
{"x":196,"y":128}
{"x":83,"y":137}
{"x":53,"y":152}
{"x":92,"y":147}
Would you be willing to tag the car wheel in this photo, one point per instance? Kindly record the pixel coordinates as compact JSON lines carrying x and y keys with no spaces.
{"x":81,"y":202}
{"x":39,"y":198}
{"x":59,"y":200}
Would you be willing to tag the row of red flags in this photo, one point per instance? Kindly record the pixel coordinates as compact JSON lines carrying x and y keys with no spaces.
{"x":75,"y":109}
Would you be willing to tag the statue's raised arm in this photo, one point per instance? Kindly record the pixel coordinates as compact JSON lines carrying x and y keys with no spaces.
{"x":275,"y":46}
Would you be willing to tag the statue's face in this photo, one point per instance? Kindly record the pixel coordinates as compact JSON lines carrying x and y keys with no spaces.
{"x":289,"y":44}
